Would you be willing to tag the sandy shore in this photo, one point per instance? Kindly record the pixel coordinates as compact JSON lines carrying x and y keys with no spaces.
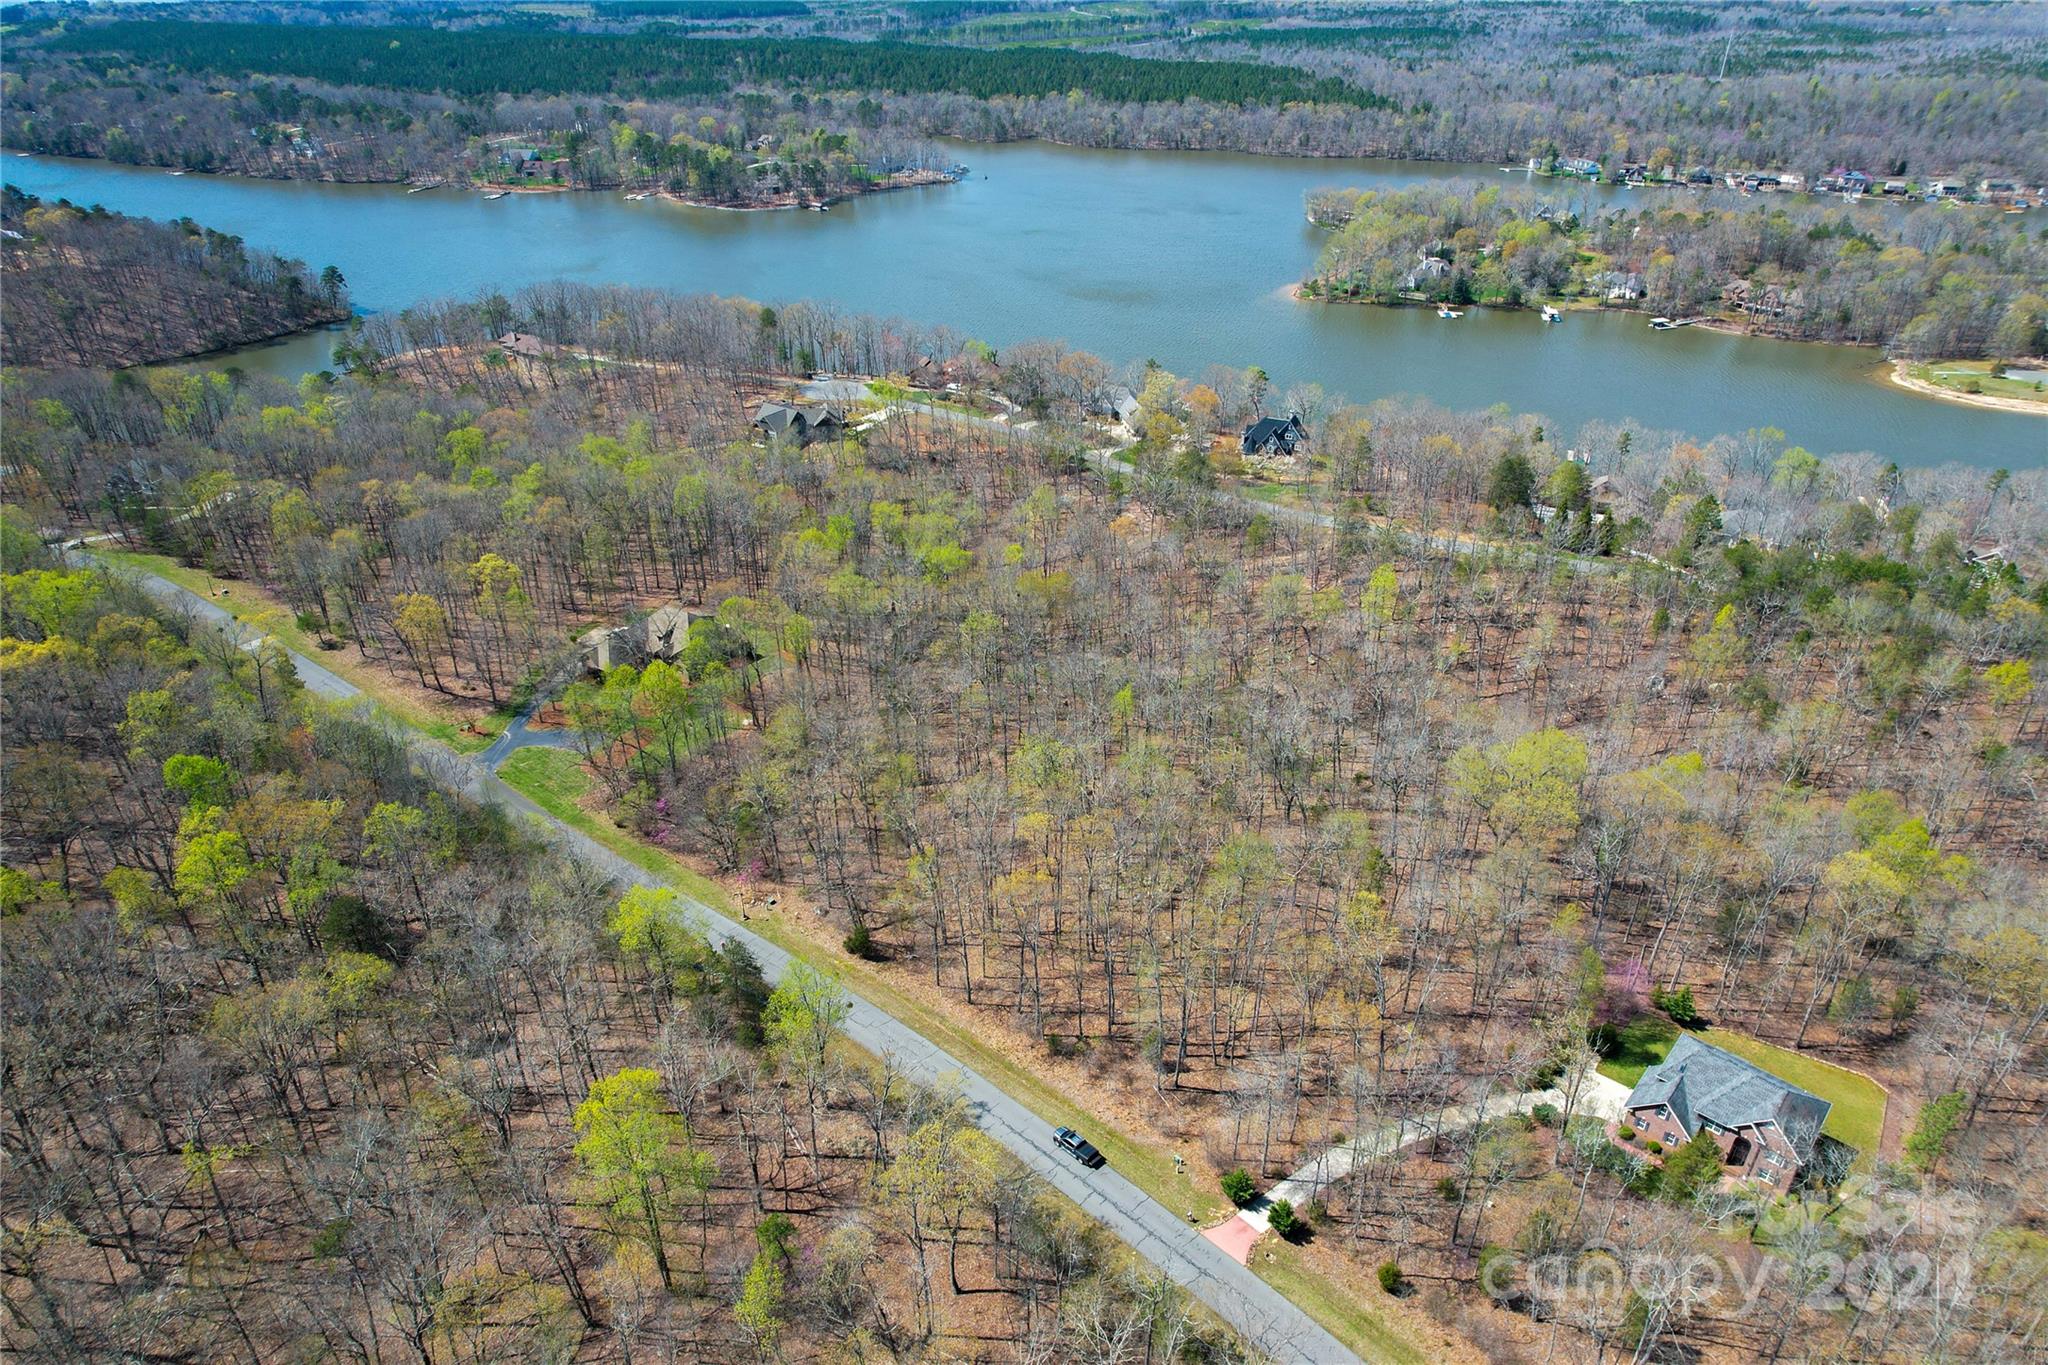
{"x":1905,"y":380}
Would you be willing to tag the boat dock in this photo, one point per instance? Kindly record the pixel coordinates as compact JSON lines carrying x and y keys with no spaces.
{"x":1668,"y":324}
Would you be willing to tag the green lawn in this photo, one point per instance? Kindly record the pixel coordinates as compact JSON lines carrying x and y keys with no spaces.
{"x":551,"y":777}
{"x":1643,"y":1044}
{"x":246,"y":603}
{"x":1858,"y":1114}
{"x":1960,"y":375}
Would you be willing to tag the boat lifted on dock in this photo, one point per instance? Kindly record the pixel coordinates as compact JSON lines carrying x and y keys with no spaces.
{"x":1551,"y":314}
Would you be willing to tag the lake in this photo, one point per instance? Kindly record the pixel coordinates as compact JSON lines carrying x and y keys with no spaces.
{"x":1179,"y":257}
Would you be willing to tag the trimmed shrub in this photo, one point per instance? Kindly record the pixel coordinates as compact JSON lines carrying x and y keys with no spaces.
{"x":1239,"y":1188}
{"x":1281,"y":1218}
{"x":1391,"y":1278}
{"x":1678,"y":1004}
{"x":1627,"y":1134}
{"x":1656,"y":1147}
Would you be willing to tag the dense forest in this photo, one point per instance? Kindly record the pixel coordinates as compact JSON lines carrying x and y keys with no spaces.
{"x":306,"y":1057}
{"x":658,"y":65}
{"x":1252,"y":812}
{"x":89,"y":287}
{"x":1921,"y":281}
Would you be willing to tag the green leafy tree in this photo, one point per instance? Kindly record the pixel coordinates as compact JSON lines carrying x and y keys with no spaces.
{"x":396,"y":836}
{"x":201,"y":781}
{"x":1527,"y":789}
{"x":1567,"y":489}
{"x":1380,"y":603}
{"x":639,"y":1159}
{"x":651,"y":924}
{"x":800,"y":1023}
{"x":1717,"y":656}
{"x":663,"y":702}
{"x":760,"y":1307}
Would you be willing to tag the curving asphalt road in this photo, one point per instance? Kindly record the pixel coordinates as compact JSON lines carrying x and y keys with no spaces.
{"x":1267,"y":1320}
{"x":1109,"y":460}
{"x":516,"y":736}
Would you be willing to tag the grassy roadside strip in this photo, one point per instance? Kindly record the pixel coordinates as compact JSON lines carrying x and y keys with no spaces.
{"x":247,"y":603}
{"x":553,"y":780}
{"x":1347,"y":1317}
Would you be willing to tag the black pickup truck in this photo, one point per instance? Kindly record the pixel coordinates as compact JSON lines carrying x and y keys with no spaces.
{"x":1080,"y":1148}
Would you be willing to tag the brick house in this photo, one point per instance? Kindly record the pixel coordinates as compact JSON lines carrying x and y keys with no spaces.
{"x":1766,"y":1128}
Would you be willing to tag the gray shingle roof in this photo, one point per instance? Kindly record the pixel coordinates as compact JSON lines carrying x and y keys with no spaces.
{"x":1700,"y":1081}
{"x":1276,"y":432}
{"x":780,"y":418}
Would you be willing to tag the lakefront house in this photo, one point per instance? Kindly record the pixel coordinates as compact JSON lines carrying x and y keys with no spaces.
{"x":1274,"y":436}
{"x":1767,"y":1128}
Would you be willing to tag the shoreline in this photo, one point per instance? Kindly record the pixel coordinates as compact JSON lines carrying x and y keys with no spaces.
{"x":1289,"y":154}
{"x":1997,"y":402}
{"x":1896,"y":373}
{"x":212,"y":353}
{"x":197,"y":357}
{"x":917,"y":180}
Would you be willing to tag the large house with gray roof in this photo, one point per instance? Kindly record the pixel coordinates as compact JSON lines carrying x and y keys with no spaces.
{"x":801,"y":423}
{"x":1767,"y":1128}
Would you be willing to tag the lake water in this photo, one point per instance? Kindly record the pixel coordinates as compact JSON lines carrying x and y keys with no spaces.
{"x":1177,"y":257}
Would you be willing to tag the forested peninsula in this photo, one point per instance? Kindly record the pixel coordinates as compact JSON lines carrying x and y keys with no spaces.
{"x":89,"y":287}
{"x":1921,"y":281}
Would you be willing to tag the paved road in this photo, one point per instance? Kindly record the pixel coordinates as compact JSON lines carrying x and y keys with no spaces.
{"x":1268,"y":1321}
{"x":1110,"y":461}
